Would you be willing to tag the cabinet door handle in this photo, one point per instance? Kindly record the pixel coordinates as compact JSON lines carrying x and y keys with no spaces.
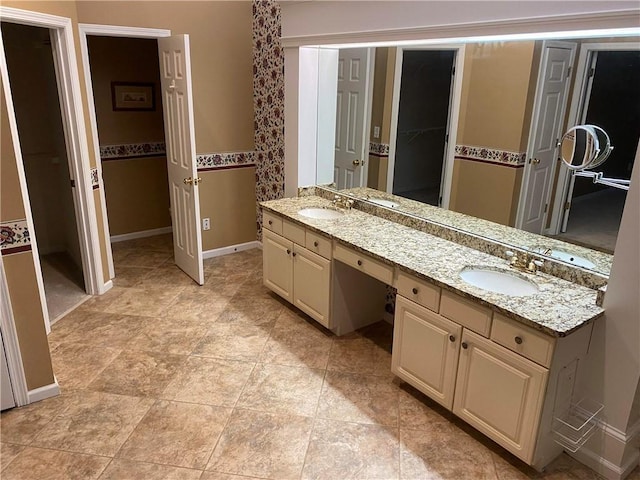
{"x":415,"y":291}
{"x":270,"y":222}
{"x":464,"y":345}
{"x":288,"y":251}
{"x":294,"y":254}
{"x":452,"y":338}
{"x":359,"y":263}
{"x":315,"y":244}
{"x":518,"y":340}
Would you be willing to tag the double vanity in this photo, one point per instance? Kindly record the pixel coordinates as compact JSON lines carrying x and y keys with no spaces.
{"x":499,"y":347}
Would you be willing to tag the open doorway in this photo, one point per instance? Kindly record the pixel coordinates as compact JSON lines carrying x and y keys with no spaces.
{"x":426,"y":86}
{"x":36,"y":101}
{"x":611,"y":101}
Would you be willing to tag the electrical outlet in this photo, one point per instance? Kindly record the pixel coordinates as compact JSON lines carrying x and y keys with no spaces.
{"x":206,"y":224}
{"x":376,"y":132}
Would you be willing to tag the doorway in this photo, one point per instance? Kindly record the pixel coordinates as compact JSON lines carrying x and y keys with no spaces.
{"x":611,"y":101}
{"x":424,"y":109}
{"x":36,"y":100}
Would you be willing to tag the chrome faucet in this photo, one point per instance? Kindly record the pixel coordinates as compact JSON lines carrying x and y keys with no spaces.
{"x":342,"y":202}
{"x":524,"y":262}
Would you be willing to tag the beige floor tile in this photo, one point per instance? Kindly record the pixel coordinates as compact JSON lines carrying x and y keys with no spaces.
{"x":352,"y":397}
{"x":256,"y":311}
{"x":209,"y":381}
{"x":21,"y":424}
{"x":98,"y":303}
{"x":37,"y":463}
{"x":223,"y":476}
{"x":179,"y":434}
{"x":8,"y":451}
{"x":169,"y":335}
{"x":138,"y":373}
{"x":96,"y":328}
{"x":444,"y":452}
{"x":167,"y":275}
{"x":357,"y":354}
{"x":120,"y":469}
{"x":417,"y":411}
{"x":282,"y":389}
{"x":76,"y":365}
{"x":234,"y":341}
{"x":149,"y":302}
{"x":139,"y":257}
{"x":95,"y":423}
{"x":296,"y":341}
{"x":197,"y":305}
{"x":262,"y":445}
{"x":129,"y":276}
{"x":350,"y":450}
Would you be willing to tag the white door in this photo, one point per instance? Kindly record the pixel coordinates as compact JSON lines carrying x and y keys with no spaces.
{"x":6,"y":391}
{"x":177,"y":101}
{"x":550,"y":106}
{"x":352,"y":117}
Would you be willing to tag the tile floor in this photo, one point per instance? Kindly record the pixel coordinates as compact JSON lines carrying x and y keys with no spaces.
{"x":162,"y":379}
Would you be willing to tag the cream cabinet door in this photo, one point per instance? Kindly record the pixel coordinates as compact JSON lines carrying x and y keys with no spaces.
{"x":312,"y":278}
{"x":425,"y":350}
{"x":277,"y":263}
{"x":500,"y":393}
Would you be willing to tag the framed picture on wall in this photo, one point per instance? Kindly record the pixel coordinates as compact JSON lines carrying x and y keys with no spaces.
{"x":133,"y":96}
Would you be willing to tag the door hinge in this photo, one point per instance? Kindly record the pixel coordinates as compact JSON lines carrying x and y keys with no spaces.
{"x":567,"y":205}
{"x":569,"y":71}
{"x":453,"y":70}
{"x":546,"y":206}
{"x":439,"y":201}
{"x":592,"y":72}
{"x":73,"y":183}
{"x":446,"y":138}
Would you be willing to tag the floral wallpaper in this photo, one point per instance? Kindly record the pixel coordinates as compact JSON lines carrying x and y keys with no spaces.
{"x":268,"y":103}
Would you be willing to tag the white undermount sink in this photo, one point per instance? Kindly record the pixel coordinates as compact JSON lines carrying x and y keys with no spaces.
{"x":566,"y":257}
{"x":498,"y":281}
{"x":383,"y":202}
{"x":320,"y":213}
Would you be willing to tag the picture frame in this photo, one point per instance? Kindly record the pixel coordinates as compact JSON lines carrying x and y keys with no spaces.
{"x":133,"y":96}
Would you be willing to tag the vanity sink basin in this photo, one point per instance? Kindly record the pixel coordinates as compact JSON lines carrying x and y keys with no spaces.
{"x":566,"y":257}
{"x":320,"y":213}
{"x":498,"y":281}
{"x":383,"y":202}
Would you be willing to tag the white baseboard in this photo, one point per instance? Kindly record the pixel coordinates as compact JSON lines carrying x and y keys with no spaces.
{"x":217,"y":252}
{"x":141,"y":234}
{"x":106,"y":287}
{"x":615,"y":440}
{"x":41,"y":393}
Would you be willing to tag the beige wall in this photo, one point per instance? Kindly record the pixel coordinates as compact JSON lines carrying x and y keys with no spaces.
{"x":230,"y":202}
{"x":221,"y":60}
{"x":20,"y":271}
{"x":496,"y":95}
{"x":116,"y":59}
{"x":485,"y":190}
{"x":137,"y":192}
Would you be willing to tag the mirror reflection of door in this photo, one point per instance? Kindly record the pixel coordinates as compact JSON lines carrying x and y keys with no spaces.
{"x":611,"y":101}
{"x":423,"y":118}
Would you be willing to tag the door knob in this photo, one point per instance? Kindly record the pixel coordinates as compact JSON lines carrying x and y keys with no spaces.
{"x":357,"y":162}
{"x":172,"y":85}
{"x":192,"y":181}
{"x":535,"y":161}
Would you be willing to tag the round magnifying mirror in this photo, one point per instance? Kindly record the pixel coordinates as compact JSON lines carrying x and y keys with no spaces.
{"x":579,"y":147}
{"x":604,"y":145}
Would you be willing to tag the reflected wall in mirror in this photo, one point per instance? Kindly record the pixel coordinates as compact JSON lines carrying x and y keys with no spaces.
{"x":482,"y":138}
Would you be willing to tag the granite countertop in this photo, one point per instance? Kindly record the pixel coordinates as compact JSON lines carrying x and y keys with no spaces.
{"x":485,"y":228}
{"x":559,"y":308}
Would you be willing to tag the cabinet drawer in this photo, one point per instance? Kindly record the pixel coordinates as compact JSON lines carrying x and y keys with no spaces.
{"x":272,"y":222}
{"x":521,"y":339}
{"x":293,"y":232}
{"x":318,"y":244}
{"x":465,"y":312}
{"x":364,"y":263}
{"x":421,"y":292}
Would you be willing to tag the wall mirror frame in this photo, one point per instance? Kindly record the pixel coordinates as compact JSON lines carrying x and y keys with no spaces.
{"x":619,"y":39}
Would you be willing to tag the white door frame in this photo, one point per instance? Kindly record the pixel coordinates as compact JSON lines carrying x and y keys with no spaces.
{"x":76,"y":142}
{"x":454,"y":113}
{"x":575,"y":113}
{"x":84,"y":30}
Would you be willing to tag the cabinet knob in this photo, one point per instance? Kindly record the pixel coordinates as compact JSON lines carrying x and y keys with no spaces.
{"x":294,"y":254}
{"x":288,"y":251}
{"x":359,"y":263}
{"x":270,"y":222}
{"x":315,"y":244}
{"x":518,"y":340}
{"x":452,"y":338}
{"x":464,"y":345}
{"x":415,"y":291}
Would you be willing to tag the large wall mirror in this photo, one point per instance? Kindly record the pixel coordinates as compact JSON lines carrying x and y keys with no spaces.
{"x":474,"y":128}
